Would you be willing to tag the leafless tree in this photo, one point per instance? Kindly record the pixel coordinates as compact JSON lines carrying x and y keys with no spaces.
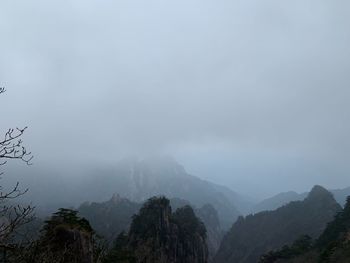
{"x":12,"y":215}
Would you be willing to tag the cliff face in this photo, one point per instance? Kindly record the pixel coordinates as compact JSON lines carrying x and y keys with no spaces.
{"x":254,"y":235}
{"x":77,"y":245}
{"x":209,"y":216}
{"x":159,"y":236}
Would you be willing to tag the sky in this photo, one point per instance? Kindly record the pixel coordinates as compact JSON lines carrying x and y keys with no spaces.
{"x":250,"y":94}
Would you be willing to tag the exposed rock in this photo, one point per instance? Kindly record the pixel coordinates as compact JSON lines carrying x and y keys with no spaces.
{"x":159,"y":236}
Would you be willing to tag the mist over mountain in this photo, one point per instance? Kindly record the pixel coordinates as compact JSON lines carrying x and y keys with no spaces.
{"x":252,"y":95}
{"x":152,"y":131}
{"x":110,"y":218}
{"x":136,"y":180}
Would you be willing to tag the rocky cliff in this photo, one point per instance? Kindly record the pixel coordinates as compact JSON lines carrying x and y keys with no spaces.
{"x":158,"y":235}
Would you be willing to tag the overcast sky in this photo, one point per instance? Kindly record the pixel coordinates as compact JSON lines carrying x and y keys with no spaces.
{"x":251,"y":94}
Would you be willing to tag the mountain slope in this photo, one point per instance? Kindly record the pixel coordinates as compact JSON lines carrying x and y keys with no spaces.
{"x":277,"y":201}
{"x":134,"y":179}
{"x":254,"y":235}
{"x":139,"y":180}
{"x":281,"y":199}
{"x":341,"y":194}
{"x":110,"y":218}
{"x":333,"y":246}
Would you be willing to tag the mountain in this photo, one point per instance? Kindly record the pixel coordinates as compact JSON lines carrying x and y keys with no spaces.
{"x":209,"y":216}
{"x":333,"y":246}
{"x":254,"y":235}
{"x":110,"y":218}
{"x":277,"y":201}
{"x":158,"y":235}
{"x":281,"y":199}
{"x":65,"y":237}
{"x":139,"y":180}
{"x":134,"y":179}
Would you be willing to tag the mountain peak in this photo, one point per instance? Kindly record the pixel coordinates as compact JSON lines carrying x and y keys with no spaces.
{"x":318,"y":192}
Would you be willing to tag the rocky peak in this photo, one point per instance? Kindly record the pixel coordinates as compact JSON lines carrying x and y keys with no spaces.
{"x":320,"y":194}
{"x":157,"y":235}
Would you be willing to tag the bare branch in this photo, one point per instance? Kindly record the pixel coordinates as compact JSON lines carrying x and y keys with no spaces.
{"x":13,"y":216}
{"x":11,"y":147}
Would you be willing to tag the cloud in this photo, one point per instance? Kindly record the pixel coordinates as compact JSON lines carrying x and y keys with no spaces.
{"x":102,"y":79}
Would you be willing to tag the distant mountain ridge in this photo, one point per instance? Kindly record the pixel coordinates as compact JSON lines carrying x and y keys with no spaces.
{"x":139,"y":180}
{"x":283,"y":198}
{"x":254,"y":235}
{"x":132,"y":178}
{"x":333,"y":246}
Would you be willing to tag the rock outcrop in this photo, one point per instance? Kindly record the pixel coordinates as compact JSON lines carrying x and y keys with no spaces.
{"x":66,"y":238}
{"x":157,"y":235}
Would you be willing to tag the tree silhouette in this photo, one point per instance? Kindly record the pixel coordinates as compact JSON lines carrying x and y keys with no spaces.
{"x":12,"y":215}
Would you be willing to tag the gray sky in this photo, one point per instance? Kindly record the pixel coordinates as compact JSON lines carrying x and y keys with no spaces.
{"x":251,"y":94}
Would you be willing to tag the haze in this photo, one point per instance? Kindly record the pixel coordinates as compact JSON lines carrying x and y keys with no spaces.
{"x":251,"y":94}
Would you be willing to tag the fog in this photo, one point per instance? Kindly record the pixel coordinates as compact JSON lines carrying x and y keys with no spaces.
{"x":251,"y":94}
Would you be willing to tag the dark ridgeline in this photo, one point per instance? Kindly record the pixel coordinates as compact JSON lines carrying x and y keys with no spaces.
{"x":333,"y":246}
{"x":284,"y":198}
{"x":158,"y":235}
{"x":254,"y":235}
